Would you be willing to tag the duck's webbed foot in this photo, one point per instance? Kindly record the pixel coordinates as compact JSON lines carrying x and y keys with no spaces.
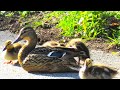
{"x":11,"y":62}
{"x":8,"y":62}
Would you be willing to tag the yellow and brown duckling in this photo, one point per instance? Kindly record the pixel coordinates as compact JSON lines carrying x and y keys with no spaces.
{"x":72,"y":42}
{"x":96,"y":71}
{"x":79,"y":44}
{"x":10,"y":51}
{"x":52,"y":44}
{"x":44,"y":59}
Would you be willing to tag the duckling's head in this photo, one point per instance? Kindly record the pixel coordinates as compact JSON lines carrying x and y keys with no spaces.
{"x":26,"y":33}
{"x":8,"y":45}
{"x":84,"y":51}
{"x":88,"y":62}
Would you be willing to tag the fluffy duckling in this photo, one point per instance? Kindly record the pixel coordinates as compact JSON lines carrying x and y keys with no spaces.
{"x":78,"y":44}
{"x":72,"y":42}
{"x":10,"y":51}
{"x":52,"y":44}
{"x":96,"y":71}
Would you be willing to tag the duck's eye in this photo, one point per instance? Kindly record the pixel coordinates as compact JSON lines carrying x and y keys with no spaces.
{"x":8,"y":43}
{"x":89,"y":63}
{"x":23,"y":32}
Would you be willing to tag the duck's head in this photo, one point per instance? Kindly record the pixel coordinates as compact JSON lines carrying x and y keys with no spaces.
{"x":88,"y":62}
{"x":8,"y":45}
{"x":26,"y":33}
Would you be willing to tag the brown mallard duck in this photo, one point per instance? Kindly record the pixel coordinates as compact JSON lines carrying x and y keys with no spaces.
{"x":44,"y":59}
{"x":10,"y":51}
{"x":96,"y":71}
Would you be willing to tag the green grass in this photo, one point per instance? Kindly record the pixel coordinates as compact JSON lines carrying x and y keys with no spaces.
{"x":85,"y":24}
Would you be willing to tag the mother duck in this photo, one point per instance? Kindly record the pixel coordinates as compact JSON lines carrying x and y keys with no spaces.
{"x":44,"y":59}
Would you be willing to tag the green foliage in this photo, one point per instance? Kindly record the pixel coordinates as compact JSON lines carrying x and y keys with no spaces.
{"x":24,"y":14}
{"x":84,"y":24}
{"x":113,"y":34}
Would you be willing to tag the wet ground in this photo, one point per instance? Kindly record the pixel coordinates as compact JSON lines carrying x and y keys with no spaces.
{"x":16,"y":72}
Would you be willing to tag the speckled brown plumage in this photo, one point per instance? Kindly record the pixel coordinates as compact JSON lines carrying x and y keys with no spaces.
{"x":96,"y":71}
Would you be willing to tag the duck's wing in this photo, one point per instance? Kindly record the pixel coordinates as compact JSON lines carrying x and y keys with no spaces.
{"x":42,"y":63}
{"x":58,"y":54}
{"x":63,"y":53}
{"x":46,"y":50}
{"x":82,"y":51}
{"x":55,"y":53}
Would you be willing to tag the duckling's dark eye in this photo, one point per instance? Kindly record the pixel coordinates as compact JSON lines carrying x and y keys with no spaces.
{"x":8,"y":44}
{"x":89,"y":63}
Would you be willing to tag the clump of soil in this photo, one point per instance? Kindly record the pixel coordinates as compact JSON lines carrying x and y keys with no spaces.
{"x":11,"y":24}
{"x":47,"y":35}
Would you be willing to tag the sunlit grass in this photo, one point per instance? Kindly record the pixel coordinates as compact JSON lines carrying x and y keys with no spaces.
{"x":80,"y":24}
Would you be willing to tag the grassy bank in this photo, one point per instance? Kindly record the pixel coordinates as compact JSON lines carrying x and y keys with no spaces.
{"x":81,"y":24}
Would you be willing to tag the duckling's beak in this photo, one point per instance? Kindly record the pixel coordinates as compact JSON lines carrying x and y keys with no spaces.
{"x":18,"y":39}
{"x":4,"y":48}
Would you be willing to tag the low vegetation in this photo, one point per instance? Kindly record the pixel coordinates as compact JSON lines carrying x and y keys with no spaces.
{"x":81,"y":24}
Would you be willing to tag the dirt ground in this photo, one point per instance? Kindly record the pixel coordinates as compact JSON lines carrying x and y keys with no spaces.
{"x":101,"y":44}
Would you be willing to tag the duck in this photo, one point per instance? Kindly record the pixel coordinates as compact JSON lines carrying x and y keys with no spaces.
{"x":96,"y":71}
{"x":10,"y":52}
{"x":52,"y":43}
{"x":79,"y":44}
{"x":33,"y":58}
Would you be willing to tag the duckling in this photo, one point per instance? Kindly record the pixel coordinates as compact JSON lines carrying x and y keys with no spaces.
{"x":79,"y":44}
{"x":96,"y":71}
{"x":41,"y":59}
{"x":52,"y":44}
{"x":10,"y":51}
{"x":72,"y":42}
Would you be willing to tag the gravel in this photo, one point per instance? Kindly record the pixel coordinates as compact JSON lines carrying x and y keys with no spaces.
{"x":16,"y":72}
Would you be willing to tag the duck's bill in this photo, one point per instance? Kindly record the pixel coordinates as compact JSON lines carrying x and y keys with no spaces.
{"x":4,"y":48}
{"x":17,"y":40}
